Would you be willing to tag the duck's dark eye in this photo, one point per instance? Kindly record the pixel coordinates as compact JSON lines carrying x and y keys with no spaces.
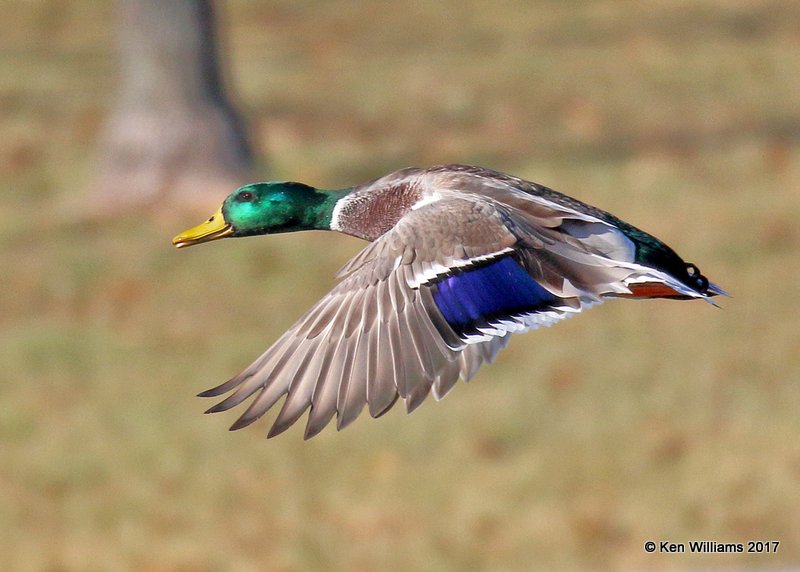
{"x":245,"y":197}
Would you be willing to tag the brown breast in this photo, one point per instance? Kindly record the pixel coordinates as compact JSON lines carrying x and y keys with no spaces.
{"x":368,"y":213}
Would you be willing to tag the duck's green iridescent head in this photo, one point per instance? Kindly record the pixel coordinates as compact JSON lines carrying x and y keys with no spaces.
{"x":265,"y":208}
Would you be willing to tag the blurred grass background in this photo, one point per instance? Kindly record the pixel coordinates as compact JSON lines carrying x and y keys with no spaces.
{"x":636,"y":421}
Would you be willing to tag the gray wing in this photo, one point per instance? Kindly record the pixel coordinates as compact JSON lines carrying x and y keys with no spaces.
{"x":377,"y":336}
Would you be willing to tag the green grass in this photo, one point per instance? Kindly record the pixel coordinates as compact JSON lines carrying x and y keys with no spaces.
{"x":636,"y":421}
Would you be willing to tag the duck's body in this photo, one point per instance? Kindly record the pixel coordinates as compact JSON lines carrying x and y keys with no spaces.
{"x":460,"y":258}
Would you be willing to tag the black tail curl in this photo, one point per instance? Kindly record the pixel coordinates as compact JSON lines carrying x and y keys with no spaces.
{"x":697,"y":280}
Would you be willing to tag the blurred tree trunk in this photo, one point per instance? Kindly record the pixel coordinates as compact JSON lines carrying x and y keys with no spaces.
{"x":173,"y":134}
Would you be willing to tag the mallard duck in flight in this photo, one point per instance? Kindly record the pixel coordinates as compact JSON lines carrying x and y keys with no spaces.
{"x":459,"y":259}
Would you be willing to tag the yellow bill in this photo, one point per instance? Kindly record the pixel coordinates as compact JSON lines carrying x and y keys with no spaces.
{"x":212,"y":229}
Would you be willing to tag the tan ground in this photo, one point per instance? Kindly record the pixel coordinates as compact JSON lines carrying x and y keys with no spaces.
{"x":636,"y":421}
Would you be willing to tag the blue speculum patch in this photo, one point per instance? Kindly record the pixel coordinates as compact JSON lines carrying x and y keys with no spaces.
{"x":475,"y":297}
